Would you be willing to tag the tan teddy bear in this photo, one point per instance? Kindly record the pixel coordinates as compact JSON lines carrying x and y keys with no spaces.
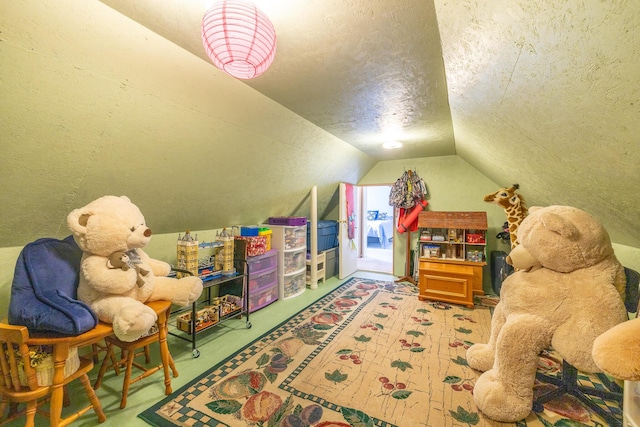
{"x":566,"y":292}
{"x":617,"y":351}
{"x":113,"y":224}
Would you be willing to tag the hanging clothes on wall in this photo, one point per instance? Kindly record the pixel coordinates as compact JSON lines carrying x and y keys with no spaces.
{"x":408,"y":191}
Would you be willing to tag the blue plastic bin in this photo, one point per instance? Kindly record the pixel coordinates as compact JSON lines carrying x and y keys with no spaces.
{"x":327,"y":234}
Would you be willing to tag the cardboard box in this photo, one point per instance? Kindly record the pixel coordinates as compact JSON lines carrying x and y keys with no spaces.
{"x":206,"y":317}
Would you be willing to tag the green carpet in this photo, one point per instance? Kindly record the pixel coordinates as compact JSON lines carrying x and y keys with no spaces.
{"x":370,"y":353}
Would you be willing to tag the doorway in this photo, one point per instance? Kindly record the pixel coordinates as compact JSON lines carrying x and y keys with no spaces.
{"x":376,"y":239}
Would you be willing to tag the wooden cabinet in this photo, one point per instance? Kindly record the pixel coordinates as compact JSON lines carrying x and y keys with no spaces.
{"x":452,"y":248}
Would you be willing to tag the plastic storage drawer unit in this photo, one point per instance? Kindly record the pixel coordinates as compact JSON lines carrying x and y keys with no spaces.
{"x":263,"y":298}
{"x":260,"y":281}
{"x":294,"y":261}
{"x":294,"y":237}
{"x":261,"y":263}
{"x":295,"y":284}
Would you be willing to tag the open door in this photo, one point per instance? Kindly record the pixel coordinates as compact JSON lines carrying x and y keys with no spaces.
{"x":348,"y":230}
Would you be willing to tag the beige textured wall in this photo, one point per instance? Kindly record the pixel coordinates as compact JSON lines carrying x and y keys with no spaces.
{"x":94,"y":104}
{"x":546,"y":93}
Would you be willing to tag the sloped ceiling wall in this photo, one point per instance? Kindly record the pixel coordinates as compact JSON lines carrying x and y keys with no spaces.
{"x":547,"y":94}
{"x":95,"y":104}
{"x":543,"y":93}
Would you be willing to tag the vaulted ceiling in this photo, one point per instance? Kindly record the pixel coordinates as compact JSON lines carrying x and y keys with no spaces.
{"x":539,"y":92}
{"x":118,"y":97}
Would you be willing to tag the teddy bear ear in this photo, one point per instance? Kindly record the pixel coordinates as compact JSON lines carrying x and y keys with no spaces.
{"x":556,"y":223}
{"x":77,"y":221}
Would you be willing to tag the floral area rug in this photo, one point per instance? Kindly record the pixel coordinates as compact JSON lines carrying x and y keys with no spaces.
{"x":369,"y":353}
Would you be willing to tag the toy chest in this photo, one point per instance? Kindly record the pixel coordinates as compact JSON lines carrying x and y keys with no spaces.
{"x":288,"y":220}
{"x":327,"y":234}
{"x":256,"y":245}
{"x":206,"y":317}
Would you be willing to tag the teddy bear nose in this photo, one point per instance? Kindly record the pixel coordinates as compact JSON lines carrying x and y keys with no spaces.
{"x":147,"y":232}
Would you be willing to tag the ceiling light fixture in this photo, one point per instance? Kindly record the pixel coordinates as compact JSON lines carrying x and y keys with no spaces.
{"x":239,"y":38}
{"x":390,"y":145}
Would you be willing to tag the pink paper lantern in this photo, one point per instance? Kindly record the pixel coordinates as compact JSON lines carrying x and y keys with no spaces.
{"x":239,"y":38}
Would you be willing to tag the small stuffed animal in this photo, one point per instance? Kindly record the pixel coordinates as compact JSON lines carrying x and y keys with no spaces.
{"x":122,"y":261}
{"x":113,"y":224}
{"x":119,"y":260}
{"x":565,"y":292}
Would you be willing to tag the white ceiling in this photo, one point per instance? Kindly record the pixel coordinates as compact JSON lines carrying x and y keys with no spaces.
{"x":539,"y":92}
{"x":365,"y":71}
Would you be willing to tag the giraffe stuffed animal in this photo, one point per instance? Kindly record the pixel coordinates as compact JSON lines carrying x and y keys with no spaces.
{"x":514,"y":207}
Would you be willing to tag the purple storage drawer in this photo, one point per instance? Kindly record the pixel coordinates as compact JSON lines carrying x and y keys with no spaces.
{"x":257,"y":283}
{"x":261,"y":263}
{"x":288,"y":220}
{"x":263,"y":298}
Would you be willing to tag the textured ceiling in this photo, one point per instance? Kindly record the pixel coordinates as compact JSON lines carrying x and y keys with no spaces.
{"x":539,"y":92}
{"x":365,"y":71}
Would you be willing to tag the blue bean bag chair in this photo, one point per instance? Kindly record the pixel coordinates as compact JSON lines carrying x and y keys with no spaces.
{"x":44,"y":289}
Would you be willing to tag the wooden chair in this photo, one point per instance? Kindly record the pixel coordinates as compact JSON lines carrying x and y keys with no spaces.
{"x":13,"y":347}
{"x":130,"y":350}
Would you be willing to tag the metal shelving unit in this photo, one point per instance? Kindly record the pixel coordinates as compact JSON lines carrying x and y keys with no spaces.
{"x":208,"y":284}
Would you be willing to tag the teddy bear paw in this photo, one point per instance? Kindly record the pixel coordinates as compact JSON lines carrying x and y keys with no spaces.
{"x":480,"y":357}
{"x":498,"y":401}
{"x":132,"y":322}
{"x":191,"y":288}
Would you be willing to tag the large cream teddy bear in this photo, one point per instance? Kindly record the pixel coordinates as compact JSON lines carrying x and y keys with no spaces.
{"x":565,"y":292}
{"x":113,"y":224}
{"x":617,"y":351}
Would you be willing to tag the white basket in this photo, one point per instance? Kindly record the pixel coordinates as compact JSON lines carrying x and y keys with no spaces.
{"x":45,"y":369}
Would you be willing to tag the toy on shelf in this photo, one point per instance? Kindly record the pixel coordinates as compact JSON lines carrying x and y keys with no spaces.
{"x":114,"y":224}
{"x":207,"y":267}
{"x":514,"y":207}
{"x":226,"y":253}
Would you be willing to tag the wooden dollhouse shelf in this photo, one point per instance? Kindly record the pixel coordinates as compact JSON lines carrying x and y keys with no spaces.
{"x":453,"y":252}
